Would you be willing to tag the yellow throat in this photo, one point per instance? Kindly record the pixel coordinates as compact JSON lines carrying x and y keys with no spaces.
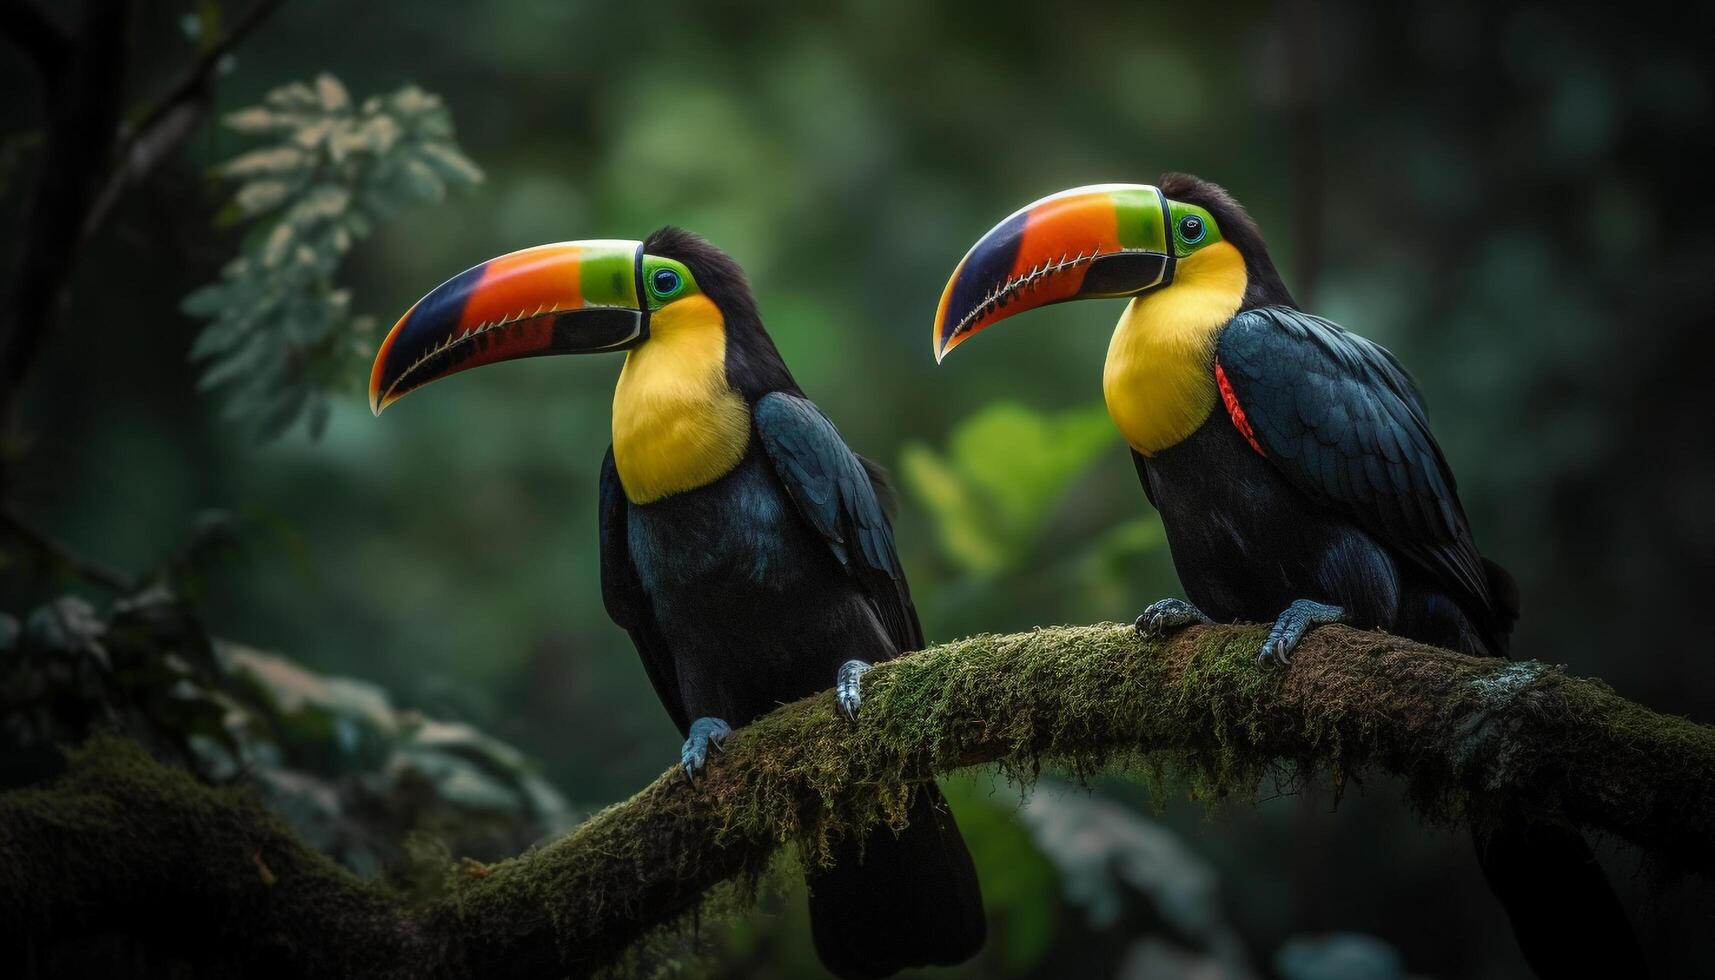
{"x":677,"y":423}
{"x":1159,"y":379}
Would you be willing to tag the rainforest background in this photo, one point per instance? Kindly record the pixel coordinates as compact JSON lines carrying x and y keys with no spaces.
{"x":394,"y":628}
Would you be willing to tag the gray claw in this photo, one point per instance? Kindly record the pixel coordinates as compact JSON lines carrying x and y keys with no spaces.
{"x":848,"y":689}
{"x":706,"y":733}
{"x":1168,"y":614}
{"x":1291,"y":625}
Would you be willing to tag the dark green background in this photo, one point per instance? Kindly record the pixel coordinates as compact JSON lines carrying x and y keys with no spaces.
{"x":1512,"y":198}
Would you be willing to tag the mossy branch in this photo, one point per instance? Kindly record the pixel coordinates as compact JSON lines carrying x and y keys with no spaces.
{"x":121,"y":843}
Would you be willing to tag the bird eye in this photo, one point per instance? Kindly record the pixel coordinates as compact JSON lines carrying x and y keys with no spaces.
{"x":1191,"y":229}
{"x":665,"y":282}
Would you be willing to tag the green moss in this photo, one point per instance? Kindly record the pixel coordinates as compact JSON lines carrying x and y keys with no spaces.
{"x":1194,"y":713}
{"x":201,"y":874}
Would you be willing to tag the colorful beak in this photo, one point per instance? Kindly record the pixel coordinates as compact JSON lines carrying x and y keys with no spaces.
{"x":568,"y":298}
{"x":1106,"y":240}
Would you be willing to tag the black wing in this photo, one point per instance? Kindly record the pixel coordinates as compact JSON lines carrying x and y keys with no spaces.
{"x":836,"y":495}
{"x":1342,"y":420}
{"x":622,"y":594}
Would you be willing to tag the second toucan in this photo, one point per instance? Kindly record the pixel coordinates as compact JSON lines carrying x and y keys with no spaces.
{"x":1295,"y":474}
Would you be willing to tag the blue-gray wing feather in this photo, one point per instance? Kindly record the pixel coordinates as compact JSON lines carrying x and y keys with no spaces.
{"x":835,"y":494}
{"x":1341,"y":419}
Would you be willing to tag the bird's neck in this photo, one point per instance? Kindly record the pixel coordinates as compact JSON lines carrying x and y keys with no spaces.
{"x":1159,"y":380}
{"x":677,"y":423}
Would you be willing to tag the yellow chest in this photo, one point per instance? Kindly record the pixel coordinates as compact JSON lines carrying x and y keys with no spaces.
{"x":1159,"y":379}
{"x":677,"y":424}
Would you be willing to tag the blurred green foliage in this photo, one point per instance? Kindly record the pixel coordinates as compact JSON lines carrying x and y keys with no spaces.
{"x":359,"y":778}
{"x":282,"y":338}
{"x":1000,"y":504}
{"x":1006,"y":467}
{"x":147,"y":669}
{"x":1505,"y":194}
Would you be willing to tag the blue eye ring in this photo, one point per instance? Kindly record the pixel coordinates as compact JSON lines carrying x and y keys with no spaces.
{"x":665,"y":282}
{"x":1192,"y":229}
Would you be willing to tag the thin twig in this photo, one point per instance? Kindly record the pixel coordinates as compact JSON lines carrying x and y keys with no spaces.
{"x":55,"y":550}
{"x":174,"y":116}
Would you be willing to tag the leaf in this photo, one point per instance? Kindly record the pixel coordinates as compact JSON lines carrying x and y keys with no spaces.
{"x":412,"y":100}
{"x":420,"y":181}
{"x":322,"y":203}
{"x":278,"y":411}
{"x":261,"y":196}
{"x":246,"y":356}
{"x":1023,"y":459}
{"x":380,"y":134}
{"x":257,"y":120}
{"x":333,"y":94}
{"x":294,"y":95}
{"x":277,"y":245}
{"x":67,"y":625}
{"x":963,"y":532}
{"x":264,"y":162}
{"x":312,"y":135}
{"x":205,"y":301}
{"x":451,"y":164}
{"x":159,"y":620}
{"x":280,"y":337}
{"x":477,"y":770}
{"x":1005,"y":470}
{"x":221,"y":335}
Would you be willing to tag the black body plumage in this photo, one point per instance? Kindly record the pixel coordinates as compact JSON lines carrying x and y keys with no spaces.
{"x":751,"y":591}
{"x":1345,"y":499}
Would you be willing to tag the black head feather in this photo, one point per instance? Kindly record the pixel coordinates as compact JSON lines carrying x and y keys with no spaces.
{"x":754,"y":366}
{"x":1265,"y":287}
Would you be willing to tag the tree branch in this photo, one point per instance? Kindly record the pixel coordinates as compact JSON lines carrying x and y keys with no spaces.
{"x":174,"y":116}
{"x":119,"y":833}
{"x":82,"y":116}
{"x":87,"y":166}
{"x":57,"y":551}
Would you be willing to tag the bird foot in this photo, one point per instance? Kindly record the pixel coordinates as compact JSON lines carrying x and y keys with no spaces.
{"x":848,"y":693}
{"x":1292,"y":624}
{"x":706,"y":734}
{"x":1168,"y":614}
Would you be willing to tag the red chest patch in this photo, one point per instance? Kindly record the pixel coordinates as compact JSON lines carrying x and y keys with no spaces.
{"x":1234,"y":410}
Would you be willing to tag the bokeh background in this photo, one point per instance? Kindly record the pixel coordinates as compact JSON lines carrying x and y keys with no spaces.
{"x":1512,"y":197}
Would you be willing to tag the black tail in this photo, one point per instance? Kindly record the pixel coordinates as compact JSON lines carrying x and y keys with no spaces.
{"x":1565,"y":915}
{"x":1504,"y":605}
{"x":910,"y":900}
{"x":1566,"y":918}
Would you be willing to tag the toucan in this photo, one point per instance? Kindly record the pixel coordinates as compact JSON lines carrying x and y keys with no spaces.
{"x":744,"y":546}
{"x":1295,"y":473}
